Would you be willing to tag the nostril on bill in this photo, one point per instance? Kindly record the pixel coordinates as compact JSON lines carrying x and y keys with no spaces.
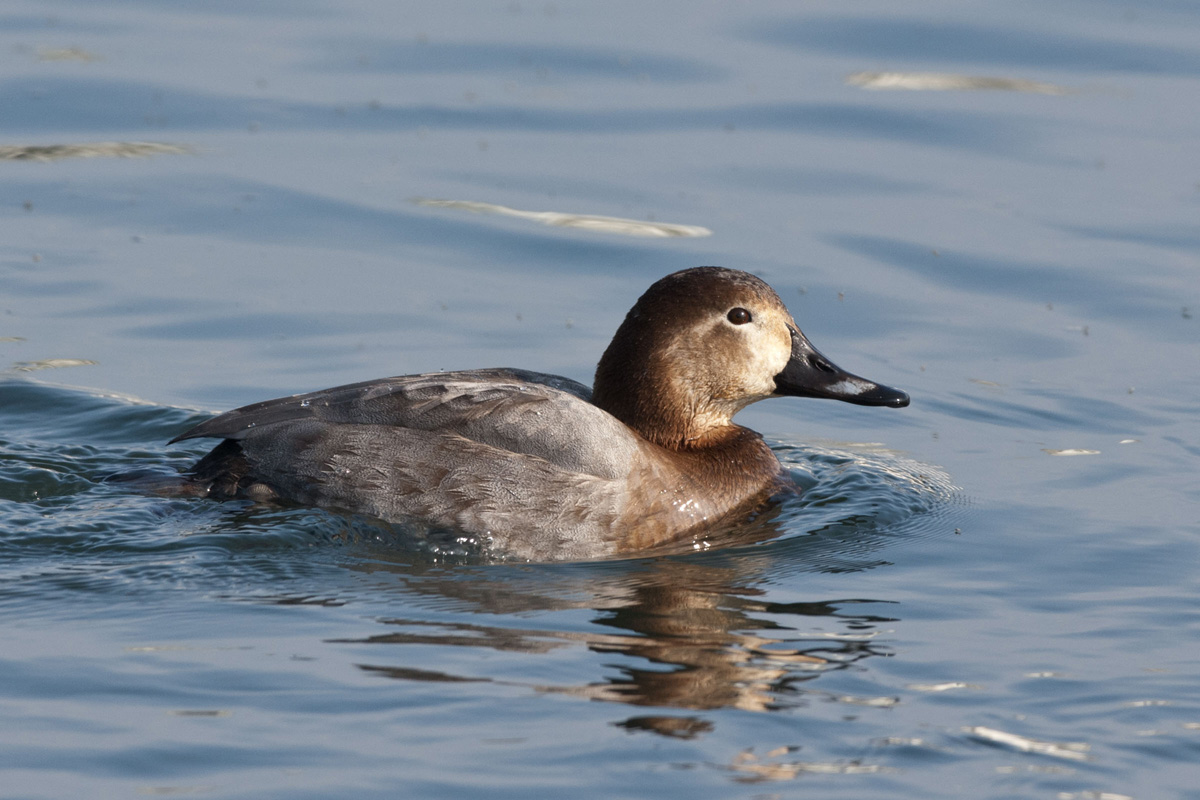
{"x":816,"y":362}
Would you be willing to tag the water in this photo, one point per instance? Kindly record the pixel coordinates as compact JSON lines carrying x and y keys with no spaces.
{"x":991,"y":593}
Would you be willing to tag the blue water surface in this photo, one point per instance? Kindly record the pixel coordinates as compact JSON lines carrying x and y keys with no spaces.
{"x":990,"y":594}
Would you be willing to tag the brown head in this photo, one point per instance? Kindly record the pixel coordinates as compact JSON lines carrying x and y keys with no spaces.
{"x":702,"y":344}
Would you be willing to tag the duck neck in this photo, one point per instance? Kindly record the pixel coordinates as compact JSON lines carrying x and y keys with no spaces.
{"x":667,"y":419}
{"x":654,"y":413}
{"x":638,"y":381}
{"x":625,"y":387}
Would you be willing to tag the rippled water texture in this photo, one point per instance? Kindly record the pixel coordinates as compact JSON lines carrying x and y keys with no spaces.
{"x":991,"y":593}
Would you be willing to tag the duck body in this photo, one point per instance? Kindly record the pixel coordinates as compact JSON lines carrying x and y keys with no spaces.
{"x":521,"y":458}
{"x":539,"y":466}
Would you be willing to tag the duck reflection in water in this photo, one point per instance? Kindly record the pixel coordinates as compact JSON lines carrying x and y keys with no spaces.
{"x":728,"y":646}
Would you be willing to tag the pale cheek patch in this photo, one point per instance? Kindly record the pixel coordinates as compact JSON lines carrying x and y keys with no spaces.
{"x":770,"y":349}
{"x":756,"y":377}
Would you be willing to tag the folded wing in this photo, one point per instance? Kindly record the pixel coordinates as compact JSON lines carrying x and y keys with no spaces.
{"x":508,"y":410}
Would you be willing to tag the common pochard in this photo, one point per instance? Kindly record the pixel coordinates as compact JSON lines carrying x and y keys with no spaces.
{"x":541,"y":467}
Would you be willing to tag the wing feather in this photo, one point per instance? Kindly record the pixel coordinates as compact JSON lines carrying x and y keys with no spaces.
{"x":517,"y":411}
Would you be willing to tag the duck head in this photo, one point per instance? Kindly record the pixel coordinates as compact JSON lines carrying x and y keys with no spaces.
{"x":704,"y":343}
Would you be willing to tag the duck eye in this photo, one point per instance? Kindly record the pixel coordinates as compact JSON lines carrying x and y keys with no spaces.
{"x":738,"y":316}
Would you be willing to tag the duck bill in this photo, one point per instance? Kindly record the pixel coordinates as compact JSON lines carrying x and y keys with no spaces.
{"x":810,"y":374}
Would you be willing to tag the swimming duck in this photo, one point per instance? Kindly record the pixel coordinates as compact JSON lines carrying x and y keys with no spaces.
{"x":539,"y":466}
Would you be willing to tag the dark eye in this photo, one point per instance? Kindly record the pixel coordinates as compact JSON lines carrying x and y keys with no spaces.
{"x":738,"y":316}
